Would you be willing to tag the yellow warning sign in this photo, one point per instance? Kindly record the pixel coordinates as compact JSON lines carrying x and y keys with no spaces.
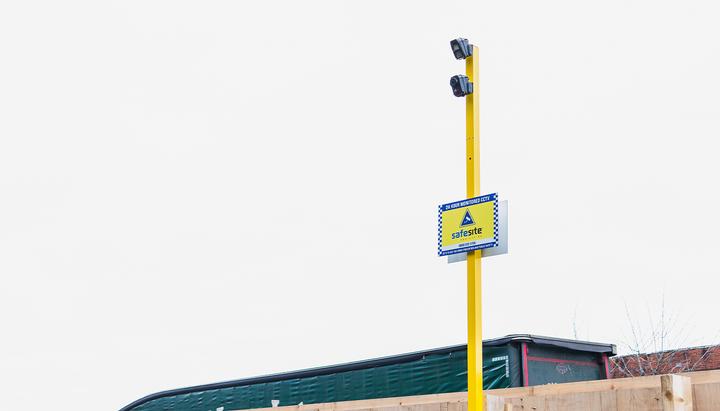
{"x":468,"y":225}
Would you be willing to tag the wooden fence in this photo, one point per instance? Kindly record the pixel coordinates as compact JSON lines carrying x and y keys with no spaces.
{"x":698,"y":391}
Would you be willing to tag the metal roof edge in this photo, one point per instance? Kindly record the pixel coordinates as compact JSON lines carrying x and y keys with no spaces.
{"x":576,"y":345}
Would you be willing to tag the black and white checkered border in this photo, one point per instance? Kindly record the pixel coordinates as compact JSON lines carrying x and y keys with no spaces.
{"x":440,"y":230}
{"x":496,"y":225}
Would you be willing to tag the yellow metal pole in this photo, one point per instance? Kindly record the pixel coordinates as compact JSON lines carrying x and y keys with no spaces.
{"x":474,"y":266}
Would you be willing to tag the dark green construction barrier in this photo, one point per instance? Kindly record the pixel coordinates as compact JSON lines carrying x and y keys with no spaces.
{"x":428,"y":372}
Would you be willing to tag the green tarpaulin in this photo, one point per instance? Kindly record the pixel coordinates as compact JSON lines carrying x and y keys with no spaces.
{"x":436,"y":373}
{"x":442,"y":370}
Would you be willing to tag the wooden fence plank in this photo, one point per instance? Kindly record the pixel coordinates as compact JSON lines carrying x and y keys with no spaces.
{"x":643,"y":399}
{"x":706,"y":397}
{"x":533,"y":403}
{"x":493,"y":403}
{"x":608,"y":400}
{"x":676,"y":393}
{"x":590,"y":401}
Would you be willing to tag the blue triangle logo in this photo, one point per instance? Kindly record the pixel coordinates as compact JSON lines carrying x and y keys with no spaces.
{"x":467,"y":219}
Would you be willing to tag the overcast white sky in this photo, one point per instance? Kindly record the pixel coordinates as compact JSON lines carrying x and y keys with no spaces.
{"x":193,"y":192}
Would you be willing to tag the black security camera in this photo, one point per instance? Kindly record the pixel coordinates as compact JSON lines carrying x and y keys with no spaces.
{"x":461,"y":48}
{"x":461,"y":85}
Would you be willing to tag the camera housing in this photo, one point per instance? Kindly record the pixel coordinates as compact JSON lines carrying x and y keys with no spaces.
{"x":461,"y":48}
{"x":461,"y":85}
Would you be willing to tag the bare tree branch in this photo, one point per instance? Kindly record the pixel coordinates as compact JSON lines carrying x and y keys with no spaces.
{"x":655,"y":346}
